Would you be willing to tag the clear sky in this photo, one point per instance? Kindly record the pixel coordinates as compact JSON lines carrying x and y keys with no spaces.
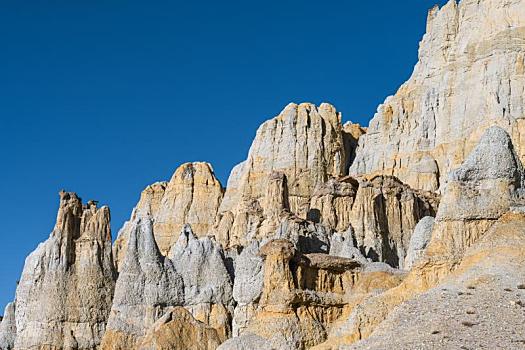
{"x":105,"y":97}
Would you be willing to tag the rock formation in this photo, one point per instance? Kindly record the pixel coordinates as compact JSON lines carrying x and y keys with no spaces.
{"x":148,"y":205}
{"x":177,"y":329}
{"x":66,"y":289}
{"x":477,"y":307}
{"x":192,"y":196}
{"x":419,"y":241}
{"x":147,"y":286}
{"x":469,"y":77}
{"x":455,"y":231}
{"x":305,"y":144}
{"x":207,"y":284}
{"x":8,"y":328}
{"x":247,"y":289}
{"x":303,"y":294}
{"x":328,"y":236}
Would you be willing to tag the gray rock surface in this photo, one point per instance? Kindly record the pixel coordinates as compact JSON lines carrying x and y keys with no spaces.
{"x":307,"y":236}
{"x":66,"y":289}
{"x":419,"y":241}
{"x":248,"y":341}
{"x":8,"y":328}
{"x":249,"y":275}
{"x":148,"y":284}
{"x":148,"y":205}
{"x":247,"y":287}
{"x":208,"y":289}
{"x":200,"y":261}
{"x":470,"y":76}
{"x":343,"y":245}
{"x":484,"y":186}
{"x":493,"y":158}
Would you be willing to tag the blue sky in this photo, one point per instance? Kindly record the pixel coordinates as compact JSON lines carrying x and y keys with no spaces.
{"x":104,"y":97}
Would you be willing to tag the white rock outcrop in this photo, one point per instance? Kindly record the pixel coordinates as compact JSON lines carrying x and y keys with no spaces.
{"x":208,"y":289}
{"x":66,"y":289}
{"x":470,"y":76}
{"x":147,"y":286}
{"x":419,"y":241}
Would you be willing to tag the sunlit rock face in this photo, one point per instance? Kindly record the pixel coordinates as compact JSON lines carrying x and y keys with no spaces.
{"x":66,"y":289}
{"x":304,"y":144}
{"x":327,"y":234}
{"x":208,"y":288}
{"x":149,"y":205}
{"x":192,"y":196}
{"x":147,"y":286}
{"x":481,"y":212}
{"x":8,"y":328}
{"x":470,"y":76}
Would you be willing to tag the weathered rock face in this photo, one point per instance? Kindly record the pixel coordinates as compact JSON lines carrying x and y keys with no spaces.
{"x":465,"y":310}
{"x":305,"y":144}
{"x":148,"y":205}
{"x":332,"y":203}
{"x":478,"y":192}
{"x":177,"y":329}
{"x":470,"y":76}
{"x":147,"y":286}
{"x":208,"y":290}
{"x":192,"y":196}
{"x":383,"y":216}
{"x":455,"y":231}
{"x":351,"y":134}
{"x":302,"y":296}
{"x":65,"y":292}
{"x":382,"y":213}
{"x":419,"y":241}
{"x":8,"y":328}
{"x":344,"y":245}
{"x":247,"y":287}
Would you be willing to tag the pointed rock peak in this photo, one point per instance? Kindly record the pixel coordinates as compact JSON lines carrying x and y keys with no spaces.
{"x":69,"y":212}
{"x":142,"y":242}
{"x":192,"y":196}
{"x":185,"y":238}
{"x":292,"y":106}
{"x":190,"y":171}
{"x":71,"y":274}
{"x":75,"y":219}
{"x":187,"y":234}
{"x":492,"y":158}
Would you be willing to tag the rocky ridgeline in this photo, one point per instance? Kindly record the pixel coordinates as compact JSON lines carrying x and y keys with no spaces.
{"x":328,"y":236}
